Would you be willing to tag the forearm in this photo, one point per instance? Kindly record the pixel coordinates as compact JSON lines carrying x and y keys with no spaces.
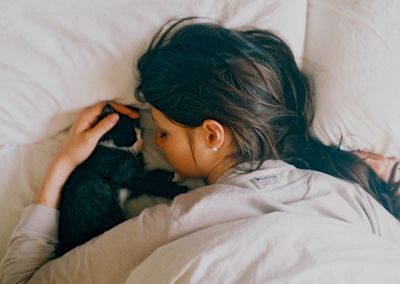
{"x":49,"y":193}
{"x":82,"y":138}
{"x":32,"y":242}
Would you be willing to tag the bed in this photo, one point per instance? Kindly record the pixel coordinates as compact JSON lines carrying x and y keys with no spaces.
{"x":58,"y":57}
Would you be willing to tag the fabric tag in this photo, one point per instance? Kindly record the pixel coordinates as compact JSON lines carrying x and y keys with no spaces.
{"x":263,"y":182}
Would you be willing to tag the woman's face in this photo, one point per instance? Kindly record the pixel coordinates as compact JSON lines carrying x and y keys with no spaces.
{"x":176,"y":142}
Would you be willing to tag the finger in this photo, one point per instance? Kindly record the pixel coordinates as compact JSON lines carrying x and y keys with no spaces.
{"x":96,"y":109}
{"x":89,"y":117}
{"x":362,"y":155}
{"x":125,"y":110}
{"x":103,"y":126}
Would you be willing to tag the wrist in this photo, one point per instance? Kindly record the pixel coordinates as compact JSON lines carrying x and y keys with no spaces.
{"x":63,"y":161}
{"x":49,"y":194}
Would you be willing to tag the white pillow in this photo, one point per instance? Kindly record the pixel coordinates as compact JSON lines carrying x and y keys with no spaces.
{"x":57,"y":56}
{"x":353,"y":50}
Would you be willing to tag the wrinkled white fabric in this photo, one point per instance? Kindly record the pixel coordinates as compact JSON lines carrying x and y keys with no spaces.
{"x":279,"y":247}
{"x":236,"y":204}
{"x":58,"y":57}
{"x":352,"y":51}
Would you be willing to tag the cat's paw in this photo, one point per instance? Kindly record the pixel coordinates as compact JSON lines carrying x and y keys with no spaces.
{"x":177,"y":177}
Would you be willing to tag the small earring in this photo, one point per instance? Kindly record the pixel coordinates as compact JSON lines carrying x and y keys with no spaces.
{"x":215,"y":149}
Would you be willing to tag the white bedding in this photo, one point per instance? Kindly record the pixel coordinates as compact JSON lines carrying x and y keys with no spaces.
{"x":274,"y":248}
{"x":61,"y":56}
{"x":58,"y":57}
{"x":352,"y":48}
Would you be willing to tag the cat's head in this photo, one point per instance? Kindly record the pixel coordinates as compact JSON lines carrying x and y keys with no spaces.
{"x":126,"y":133}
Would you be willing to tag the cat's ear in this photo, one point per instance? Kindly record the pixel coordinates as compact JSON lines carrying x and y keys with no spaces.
{"x":214,"y":134}
{"x":108,"y":109}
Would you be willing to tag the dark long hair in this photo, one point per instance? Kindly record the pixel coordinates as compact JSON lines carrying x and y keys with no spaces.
{"x":248,"y":81}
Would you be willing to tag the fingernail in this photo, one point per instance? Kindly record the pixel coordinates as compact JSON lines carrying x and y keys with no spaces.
{"x":134,"y":115}
{"x":114,"y":117}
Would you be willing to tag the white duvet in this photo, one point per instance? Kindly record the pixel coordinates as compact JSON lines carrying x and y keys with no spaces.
{"x":274,"y":248}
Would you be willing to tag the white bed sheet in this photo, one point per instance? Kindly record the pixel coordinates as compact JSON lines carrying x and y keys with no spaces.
{"x":60,"y":56}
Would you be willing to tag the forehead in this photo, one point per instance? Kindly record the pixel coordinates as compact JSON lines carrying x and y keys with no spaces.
{"x":160,"y":119}
{"x":157,"y":115}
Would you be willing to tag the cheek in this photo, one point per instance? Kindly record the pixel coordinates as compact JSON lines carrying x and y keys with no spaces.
{"x":179,"y":155}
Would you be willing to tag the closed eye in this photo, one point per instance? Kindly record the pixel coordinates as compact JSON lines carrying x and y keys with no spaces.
{"x":161,"y":133}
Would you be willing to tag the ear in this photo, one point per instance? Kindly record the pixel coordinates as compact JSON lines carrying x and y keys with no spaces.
{"x":108,"y":109}
{"x":214,"y":134}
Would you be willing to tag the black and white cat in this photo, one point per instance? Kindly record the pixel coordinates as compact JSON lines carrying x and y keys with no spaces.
{"x":93,"y":197}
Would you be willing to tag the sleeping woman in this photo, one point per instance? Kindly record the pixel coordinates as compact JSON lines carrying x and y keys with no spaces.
{"x":232,"y":107}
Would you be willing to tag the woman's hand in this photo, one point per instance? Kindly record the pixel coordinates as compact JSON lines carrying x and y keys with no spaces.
{"x":383,"y":166}
{"x":78,"y":145}
{"x":85,"y":133}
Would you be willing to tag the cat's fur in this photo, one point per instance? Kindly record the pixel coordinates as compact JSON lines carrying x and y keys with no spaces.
{"x":93,"y":197}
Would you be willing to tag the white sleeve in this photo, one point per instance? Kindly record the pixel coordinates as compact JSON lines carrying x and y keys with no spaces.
{"x":31,"y":245}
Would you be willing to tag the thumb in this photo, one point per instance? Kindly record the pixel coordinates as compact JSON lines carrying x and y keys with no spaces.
{"x":104,"y":125}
